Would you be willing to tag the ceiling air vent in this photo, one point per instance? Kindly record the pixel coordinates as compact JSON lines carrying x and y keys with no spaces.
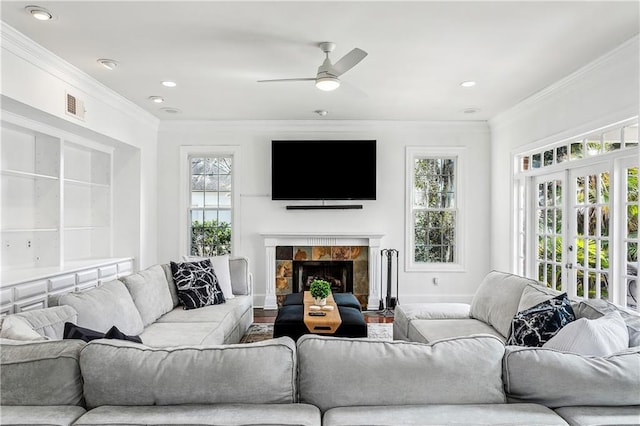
{"x":75,"y":107}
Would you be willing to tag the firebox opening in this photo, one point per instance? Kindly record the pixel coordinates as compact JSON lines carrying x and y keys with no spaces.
{"x":338,"y":273}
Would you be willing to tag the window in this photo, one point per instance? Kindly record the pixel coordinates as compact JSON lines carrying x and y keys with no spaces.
{"x":433,"y":209}
{"x":580,"y":201}
{"x":209,"y":211}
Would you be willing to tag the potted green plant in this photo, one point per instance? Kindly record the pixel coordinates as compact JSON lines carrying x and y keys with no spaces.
{"x":320,"y":290}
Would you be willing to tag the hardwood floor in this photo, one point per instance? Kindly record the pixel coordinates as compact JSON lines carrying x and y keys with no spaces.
{"x":268,"y":316}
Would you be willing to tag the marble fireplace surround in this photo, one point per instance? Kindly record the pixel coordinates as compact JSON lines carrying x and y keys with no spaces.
{"x":273,"y":239}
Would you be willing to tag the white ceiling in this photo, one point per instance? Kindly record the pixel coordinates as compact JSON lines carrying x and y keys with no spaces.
{"x":419,"y":52}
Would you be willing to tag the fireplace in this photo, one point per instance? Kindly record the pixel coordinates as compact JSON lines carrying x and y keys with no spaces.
{"x":338,"y":273}
{"x":359,"y":250}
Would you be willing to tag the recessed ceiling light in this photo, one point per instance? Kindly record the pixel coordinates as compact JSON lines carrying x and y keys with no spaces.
{"x":171,"y":110}
{"x":39,"y":13}
{"x":169,"y":83}
{"x":156,"y":99}
{"x":321,"y":112}
{"x":468,"y":83}
{"x":109,"y":64}
{"x":470,"y":110}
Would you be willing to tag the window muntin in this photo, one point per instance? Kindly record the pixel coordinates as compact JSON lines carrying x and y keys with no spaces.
{"x":592,"y":145}
{"x":433,"y":207}
{"x":210,"y":210}
{"x":598,"y":256}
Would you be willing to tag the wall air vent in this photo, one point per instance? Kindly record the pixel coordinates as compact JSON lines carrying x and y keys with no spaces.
{"x":75,"y":107}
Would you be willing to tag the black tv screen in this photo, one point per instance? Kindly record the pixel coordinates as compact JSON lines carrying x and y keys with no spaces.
{"x":323,"y":170}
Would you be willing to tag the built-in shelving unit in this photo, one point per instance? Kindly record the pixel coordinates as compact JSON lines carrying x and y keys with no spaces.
{"x":56,"y":212}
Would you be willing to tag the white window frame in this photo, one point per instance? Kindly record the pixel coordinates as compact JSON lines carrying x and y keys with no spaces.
{"x":522,"y":181}
{"x":457,"y":153}
{"x":184,"y":219}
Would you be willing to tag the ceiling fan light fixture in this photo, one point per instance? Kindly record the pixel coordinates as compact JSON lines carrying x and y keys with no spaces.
{"x":327,"y":84}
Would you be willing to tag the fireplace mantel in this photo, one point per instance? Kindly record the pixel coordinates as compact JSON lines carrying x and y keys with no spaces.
{"x":273,"y":239}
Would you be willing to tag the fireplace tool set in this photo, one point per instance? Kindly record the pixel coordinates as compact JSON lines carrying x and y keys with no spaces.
{"x":387,"y":305}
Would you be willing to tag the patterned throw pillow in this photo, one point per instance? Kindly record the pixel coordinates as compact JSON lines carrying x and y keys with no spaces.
{"x":197,"y":284}
{"x":538,"y":324}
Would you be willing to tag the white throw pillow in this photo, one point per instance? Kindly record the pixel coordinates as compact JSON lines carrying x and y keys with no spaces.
{"x":221,"y":268}
{"x":16,"y":328}
{"x":594,"y":337}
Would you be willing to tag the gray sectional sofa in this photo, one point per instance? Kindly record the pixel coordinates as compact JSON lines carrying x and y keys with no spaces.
{"x":498,"y":298}
{"x":144,"y":304}
{"x":474,"y":380}
{"x":470,"y":378}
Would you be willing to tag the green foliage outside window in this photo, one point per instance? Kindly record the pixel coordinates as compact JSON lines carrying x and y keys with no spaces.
{"x":434,"y":210}
{"x":586,"y":248}
{"x":210,"y":238}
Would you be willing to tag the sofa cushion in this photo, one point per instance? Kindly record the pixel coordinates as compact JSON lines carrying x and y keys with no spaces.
{"x":41,"y":373}
{"x":240,"y":276}
{"x":595,"y":308}
{"x":220,"y":266}
{"x":534,"y":294}
{"x":150,"y":292}
{"x":159,"y":335}
{"x":123,"y":373}
{"x":428,"y":331}
{"x":16,"y":328}
{"x":219,"y":414}
{"x":173,"y":290}
{"x":598,"y":337}
{"x":197,"y":284}
{"x":582,"y":415}
{"x":443,"y":414}
{"x":48,"y":322}
{"x":536,"y":325}
{"x":465,"y":370}
{"x":50,"y":415}
{"x":497,"y":298}
{"x":103,"y":307}
{"x":558,"y":379}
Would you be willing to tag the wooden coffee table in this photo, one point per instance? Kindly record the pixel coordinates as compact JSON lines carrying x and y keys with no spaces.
{"x":327,"y":324}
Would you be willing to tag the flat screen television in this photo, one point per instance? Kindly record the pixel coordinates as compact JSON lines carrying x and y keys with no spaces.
{"x":323,"y":170}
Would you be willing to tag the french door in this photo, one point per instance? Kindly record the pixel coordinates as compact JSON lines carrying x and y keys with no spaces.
{"x":584,"y":223}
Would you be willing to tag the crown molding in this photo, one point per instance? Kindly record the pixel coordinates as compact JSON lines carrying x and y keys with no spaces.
{"x":628,"y":48}
{"x":323,"y":126}
{"x":17,"y":43}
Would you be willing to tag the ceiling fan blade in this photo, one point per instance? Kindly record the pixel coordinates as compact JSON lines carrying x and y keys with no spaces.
{"x":279,"y":80}
{"x":348,"y":61}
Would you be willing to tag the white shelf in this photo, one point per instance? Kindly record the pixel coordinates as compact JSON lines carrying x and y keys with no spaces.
{"x":53,"y":215}
{"x":28,"y":175}
{"x":84,"y":228}
{"x":18,"y":230}
{"x":85,"y":183}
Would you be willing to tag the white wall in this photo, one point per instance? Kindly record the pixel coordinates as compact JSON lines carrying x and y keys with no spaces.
{"x":603,"y":92}
{"x":34,"y":84}
{"x":259,"y":214}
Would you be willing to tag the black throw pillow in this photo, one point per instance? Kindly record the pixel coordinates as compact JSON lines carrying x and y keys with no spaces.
{"x":536,"y":325}
{"x":72,"y":331}
{"x":197,"y":284}
{"x":114,"y":333}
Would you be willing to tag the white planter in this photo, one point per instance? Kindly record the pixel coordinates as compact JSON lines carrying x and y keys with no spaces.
{"x":321,"y":302}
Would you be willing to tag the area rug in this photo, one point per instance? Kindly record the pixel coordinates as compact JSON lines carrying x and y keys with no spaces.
{"x":263,"y":331}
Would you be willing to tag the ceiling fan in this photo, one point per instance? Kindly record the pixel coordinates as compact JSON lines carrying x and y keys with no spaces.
{"x":328,"y":73}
